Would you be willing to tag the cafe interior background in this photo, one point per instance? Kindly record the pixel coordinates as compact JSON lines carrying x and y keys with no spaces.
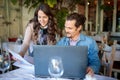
{"x":102,"y":16}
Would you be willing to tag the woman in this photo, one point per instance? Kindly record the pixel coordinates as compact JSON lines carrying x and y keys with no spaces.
{"x":40,"y":30}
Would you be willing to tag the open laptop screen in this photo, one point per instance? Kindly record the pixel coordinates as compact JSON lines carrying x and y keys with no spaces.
{"x":74,"y":60}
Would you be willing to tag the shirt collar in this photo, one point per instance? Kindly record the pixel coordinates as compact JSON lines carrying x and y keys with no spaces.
{"x":82,"y":37}
{"x":44,"y":27}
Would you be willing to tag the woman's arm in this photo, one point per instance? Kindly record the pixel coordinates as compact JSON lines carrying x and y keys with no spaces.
{"x":26,"y":41}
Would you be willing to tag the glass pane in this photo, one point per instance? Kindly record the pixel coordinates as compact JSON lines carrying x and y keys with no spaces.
{"x":108,"y":15}
{"x":118,"y":17}
{"x":91,"y":16}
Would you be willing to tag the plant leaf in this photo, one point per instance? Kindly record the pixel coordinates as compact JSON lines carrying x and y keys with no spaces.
{"x":14,"y":1}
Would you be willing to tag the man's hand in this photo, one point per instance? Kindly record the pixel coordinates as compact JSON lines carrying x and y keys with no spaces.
{"x":90,"y":71}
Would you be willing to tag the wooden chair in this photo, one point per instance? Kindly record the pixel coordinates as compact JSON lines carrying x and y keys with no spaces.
{"x":113,"y":69}
{"x":111,"y":60}
{"x":108,"y":62}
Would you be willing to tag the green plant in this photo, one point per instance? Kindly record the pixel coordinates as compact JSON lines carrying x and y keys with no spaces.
{"x":59,"y":11}
{"x":34,"y":3}
{"x":106,"y":7}
{"x":60,"y":16}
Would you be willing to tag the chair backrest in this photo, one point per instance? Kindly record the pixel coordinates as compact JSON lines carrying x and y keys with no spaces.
{"x":111,"y":60}
{"x":108,"y":59}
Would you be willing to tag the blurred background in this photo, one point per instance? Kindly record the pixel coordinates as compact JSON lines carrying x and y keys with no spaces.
{"x":103,"y":16}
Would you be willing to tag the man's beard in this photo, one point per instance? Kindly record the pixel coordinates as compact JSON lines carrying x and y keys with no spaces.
{"x":68,"y":35}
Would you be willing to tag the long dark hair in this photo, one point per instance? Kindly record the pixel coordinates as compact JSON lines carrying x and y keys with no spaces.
{"x":52,"y":29}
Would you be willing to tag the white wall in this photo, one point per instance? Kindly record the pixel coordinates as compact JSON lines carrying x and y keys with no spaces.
{"x":26,"y":16}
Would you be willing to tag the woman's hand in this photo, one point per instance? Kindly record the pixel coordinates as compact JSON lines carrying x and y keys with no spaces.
{"x":15,"y":59}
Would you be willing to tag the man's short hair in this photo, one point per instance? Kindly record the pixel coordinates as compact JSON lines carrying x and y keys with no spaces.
{"x":80,"y":19}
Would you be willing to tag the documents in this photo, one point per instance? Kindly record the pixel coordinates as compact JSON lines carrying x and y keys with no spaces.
{"x":17,"y":56}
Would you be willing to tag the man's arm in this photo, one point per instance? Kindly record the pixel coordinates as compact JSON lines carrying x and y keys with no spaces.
{"x":93,"y":58}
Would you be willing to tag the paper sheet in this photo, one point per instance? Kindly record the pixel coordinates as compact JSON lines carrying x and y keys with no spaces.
{"x":20,"y":58}
{"x":24,"y":66}
{"x":89,"y":77}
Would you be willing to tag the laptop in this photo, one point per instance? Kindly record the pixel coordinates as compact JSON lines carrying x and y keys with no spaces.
{"x":74,"y":58}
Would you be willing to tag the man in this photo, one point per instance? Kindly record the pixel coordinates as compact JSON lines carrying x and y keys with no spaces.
{"x":73,"y":26}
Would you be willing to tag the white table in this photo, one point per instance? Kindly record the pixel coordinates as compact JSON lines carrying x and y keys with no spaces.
{"x":13,"y":46}
{"x":24,"y":74}
{"x":117,"y":55}
{"x":97,"y":38}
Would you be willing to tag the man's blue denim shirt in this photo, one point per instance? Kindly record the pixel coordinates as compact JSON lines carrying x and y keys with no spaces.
{"x":93,"y":58}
